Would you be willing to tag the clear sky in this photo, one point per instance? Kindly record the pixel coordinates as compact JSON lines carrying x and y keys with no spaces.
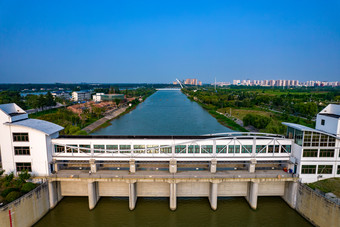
{"x":158,"y":41}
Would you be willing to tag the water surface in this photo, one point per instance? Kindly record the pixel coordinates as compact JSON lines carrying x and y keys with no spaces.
{"x":165,"y":113}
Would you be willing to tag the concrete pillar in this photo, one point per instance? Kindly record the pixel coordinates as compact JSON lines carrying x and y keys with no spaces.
{"x":55,"y":165}
{"x":213,"y":165}
{"x":132,"y":166}
{"x":92,"y":191}
{"x":253,"y":188}
{"x":54,"y":192}
{"x":252,"y":165}
{"x":173,"y":166}
{"x":213,"y":195}
{"x":93,"y":165}
{"x":173,"y":196}
{"x":132,"y":195}
{"x":290,"y":195}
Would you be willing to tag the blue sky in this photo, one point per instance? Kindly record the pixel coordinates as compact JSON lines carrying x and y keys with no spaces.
{"x":158,"y":41}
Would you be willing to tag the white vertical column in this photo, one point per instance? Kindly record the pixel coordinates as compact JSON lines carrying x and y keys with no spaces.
{"x":132,"y":195}
{"x":132,"y":166}
{"x":213,"y":195}
{"x":173,"y":166}
{"x":52,"y":194}
{"x":213,"y":165}
{"x":93,"y":165}
{"x":253,"y":188}
{"x":173,"y":196}
{"x":92,"y":192}
{"x":291,"y":188}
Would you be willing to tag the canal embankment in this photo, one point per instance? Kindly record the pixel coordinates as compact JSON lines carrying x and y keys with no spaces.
{"x":316,"y":208}
{"x":26,"y":210}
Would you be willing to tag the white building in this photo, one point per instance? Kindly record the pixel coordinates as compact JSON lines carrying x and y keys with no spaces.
{"x":79,"y":96}
{"x":61,"y":94}
{"x":25,"y":143}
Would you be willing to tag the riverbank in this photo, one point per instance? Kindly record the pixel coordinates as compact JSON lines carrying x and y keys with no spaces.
{"x":222,"y":119}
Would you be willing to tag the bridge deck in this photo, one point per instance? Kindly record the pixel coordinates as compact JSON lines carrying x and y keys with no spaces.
{"x":123,"y":174}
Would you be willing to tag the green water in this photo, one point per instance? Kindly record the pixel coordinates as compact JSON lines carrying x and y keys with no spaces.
{"x":271,"y":211}
{"x":170,"y":113}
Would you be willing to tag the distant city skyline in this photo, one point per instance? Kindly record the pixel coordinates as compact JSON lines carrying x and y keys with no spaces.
{"x":156,"y":41}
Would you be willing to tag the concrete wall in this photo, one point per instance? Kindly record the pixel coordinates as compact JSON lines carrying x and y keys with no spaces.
{"x":153,"y":189}
{"x":316,"y":208}
{"x":193,"y":189}
{"x":113,"y":189}
{"x":72,"y":188}
{"x":232,"y":189}
{"x":26,"y":210}
{"x":271,"y":188}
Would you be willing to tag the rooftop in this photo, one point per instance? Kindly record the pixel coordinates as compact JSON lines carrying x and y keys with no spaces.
{"x":40,"y":125}
{"x":11,"y":109}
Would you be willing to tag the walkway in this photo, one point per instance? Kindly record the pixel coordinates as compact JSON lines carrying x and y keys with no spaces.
{"x":101,"y":121}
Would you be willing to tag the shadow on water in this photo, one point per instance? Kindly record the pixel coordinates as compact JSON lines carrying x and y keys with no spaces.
{"x":73,"y":211}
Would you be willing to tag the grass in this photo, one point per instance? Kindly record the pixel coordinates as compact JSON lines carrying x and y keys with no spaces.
{"x":41,"y":113}
{"x":241,"y":113}
{"x":327,"y":185}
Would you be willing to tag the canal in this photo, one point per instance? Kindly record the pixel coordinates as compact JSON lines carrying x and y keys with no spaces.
{"x":170,"y":113}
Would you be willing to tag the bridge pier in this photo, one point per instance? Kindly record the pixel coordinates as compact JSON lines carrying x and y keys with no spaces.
{"x":54,"y":191}
{"x":213,"y":195}
{"x":253,"y":188}
{"x":213,"y":165}
{"x":132,"y":195}
{"x":252,"y":165}
{"x":173,"y":196}
{"x":173,"y":166}
{"x":93,"y":195}
{"x":132,"y":163}
{"x":93,"y":165}
{"x":291,"y":188}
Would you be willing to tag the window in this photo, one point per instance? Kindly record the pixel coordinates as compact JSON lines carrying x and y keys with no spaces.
{"x":180,"y":149}
{"x":277,"y":148}
{"x":20,"y":137}
{"x":331,"y":141}
{"x":124,"y":148}
{"x":152,"y":148}
{"x":247,"y":149}
{"x":310,"y":153}
{"x":270,"y":148}
{"x":193,"y":149}
{"x":207,"y":149}
{"x":298,"y":137}
{"x":326,"y":153}
{"x":112,"y":148}
{"x":234,"y":149}
{"x":307,"y":138}
{"x":325,"y":169}
{"x":286,"y":149}
{"x":315,"y":139}
{"x":22,"y":150}
{"x":308,"y":169}
{"x":260,"y":148}
{"x":138,"y":148}
{"x":72,"y":148}
{"x":166,"y":149}
{"x":221,"y":149}
{"x":322,"y":122}
{"x":59,"y":149}
{"x":21,"y":166}
{"x":99,"y":148}
{"x":323,"y":140}
{"x":85,"y":148}
{"x":338,"y":171}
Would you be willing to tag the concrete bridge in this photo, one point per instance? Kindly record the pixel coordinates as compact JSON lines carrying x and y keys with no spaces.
{"x":212,"y":166}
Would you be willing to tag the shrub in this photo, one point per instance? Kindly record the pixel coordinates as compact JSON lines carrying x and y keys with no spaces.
{"x":12,"y":196}
{"x":7,"y":191}
{"x":28,"y":187}
{"x":24,"y":175}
